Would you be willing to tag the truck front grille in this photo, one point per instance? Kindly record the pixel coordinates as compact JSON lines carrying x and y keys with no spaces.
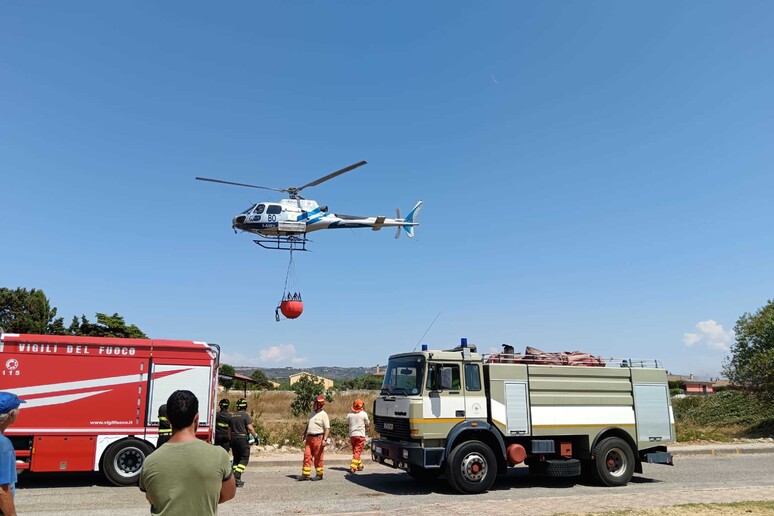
{"x":393,"y":427}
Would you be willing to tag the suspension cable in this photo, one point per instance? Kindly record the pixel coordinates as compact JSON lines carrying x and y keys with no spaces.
{"x":287,"y":275}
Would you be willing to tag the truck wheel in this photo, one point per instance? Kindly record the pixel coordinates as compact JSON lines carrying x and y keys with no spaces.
{"x":424,"y":475}
{"x":471,"y":467}
{"x":614,"y":462}
{"x":123,"y":461}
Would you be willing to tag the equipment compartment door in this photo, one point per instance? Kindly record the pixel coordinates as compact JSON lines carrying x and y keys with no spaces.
{"x":517,"y":409}
{"x":63,"y":453}
{"x":651,"y":405}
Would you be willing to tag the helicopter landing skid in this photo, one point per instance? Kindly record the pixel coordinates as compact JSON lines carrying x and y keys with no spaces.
{"x":284,"y":243}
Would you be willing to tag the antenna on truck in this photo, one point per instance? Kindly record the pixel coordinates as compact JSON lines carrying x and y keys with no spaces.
{"x":426,"y":331}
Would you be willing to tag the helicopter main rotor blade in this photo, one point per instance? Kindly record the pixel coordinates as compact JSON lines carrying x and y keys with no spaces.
{"x":239,"y":184}
{"x":331,"y":175}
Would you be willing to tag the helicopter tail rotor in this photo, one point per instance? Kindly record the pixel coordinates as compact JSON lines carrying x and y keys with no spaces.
{"x":397,"y":216}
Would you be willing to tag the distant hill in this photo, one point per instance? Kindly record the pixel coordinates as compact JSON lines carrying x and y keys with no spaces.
{"x":332,"y":373}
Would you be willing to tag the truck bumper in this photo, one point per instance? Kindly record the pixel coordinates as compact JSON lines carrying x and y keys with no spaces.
{"x":659,"y":457}
{"x":405,"y":455}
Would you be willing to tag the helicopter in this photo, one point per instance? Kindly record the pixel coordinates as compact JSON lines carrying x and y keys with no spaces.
{"x":284,"y":225}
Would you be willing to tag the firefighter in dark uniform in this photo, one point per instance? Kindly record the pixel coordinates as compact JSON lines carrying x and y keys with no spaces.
{"x":241,"y":428}
{"x":223,"y":425}
{"x":165,"y":429}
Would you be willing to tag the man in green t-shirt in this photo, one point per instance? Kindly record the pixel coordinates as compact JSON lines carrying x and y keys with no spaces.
{"x":186,"y":476}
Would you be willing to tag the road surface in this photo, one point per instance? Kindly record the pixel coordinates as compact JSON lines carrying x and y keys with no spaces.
{"x":379,"y":489}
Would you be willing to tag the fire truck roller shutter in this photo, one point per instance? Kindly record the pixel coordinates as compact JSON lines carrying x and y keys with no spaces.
{"x":170,"y":377}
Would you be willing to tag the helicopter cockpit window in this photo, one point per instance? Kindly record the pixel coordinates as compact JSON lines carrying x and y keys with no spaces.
{"x":274,"y":209}
{"x":259,"y":209}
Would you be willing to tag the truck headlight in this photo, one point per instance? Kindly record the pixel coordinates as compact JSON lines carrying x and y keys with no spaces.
{"x":378,"y":449}
{"x":405,"y":454}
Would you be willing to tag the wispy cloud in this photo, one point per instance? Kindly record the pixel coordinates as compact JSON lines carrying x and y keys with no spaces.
{"x":275,"y":355}
{"x":285,"y":353}
{"x":711,"y":334}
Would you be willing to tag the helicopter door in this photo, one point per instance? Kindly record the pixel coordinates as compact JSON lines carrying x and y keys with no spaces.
{"x":273,"y":213}
{"x":256,"y":215}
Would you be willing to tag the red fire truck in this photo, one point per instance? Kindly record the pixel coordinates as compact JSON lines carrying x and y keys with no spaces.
{"x":92,"y":403}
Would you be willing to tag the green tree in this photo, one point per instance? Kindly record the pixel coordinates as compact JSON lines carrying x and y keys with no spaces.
{"x":263,"y":380}
{"x":106,"y":326}
{"x":369,"y":382}
{"x":751,"y":364}
{"x":28,"y":311}
{"x":229,"y":371}
{"x":307,"y":389}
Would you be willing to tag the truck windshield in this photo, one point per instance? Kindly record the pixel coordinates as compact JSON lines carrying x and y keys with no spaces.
{"x":404,"y":375}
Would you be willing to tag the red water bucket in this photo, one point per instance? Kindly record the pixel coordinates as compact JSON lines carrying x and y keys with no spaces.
{"x":291,"y":309}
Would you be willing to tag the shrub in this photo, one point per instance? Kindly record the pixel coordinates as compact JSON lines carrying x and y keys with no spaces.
{"x":721,"y":416}
{"x":307,"y":389}
{"x":339,"y":428}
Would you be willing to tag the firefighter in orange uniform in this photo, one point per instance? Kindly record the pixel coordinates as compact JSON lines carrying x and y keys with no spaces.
{"x":316,"y":436}
{"x":358,"y":424}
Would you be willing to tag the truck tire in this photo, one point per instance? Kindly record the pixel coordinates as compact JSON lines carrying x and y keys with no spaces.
{"x":123,"y":461}
{"x":557,"y":468}
{"x":424,"y":475}
{"x":471,"y":467}
{"x":613,"y":462}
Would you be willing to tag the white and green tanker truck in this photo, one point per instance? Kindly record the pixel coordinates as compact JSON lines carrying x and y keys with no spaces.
{"x":470,"y":416}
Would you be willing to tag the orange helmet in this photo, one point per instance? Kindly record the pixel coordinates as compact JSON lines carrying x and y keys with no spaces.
{"x":357,"y":406}
{"x":320,"y":399}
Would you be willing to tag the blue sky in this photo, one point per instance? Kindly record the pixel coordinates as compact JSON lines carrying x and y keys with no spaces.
{"x":597,"y":176}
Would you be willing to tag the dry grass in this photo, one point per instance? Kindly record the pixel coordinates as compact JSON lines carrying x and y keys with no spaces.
{"x":275,"y":405}
{"x":277,"y":426}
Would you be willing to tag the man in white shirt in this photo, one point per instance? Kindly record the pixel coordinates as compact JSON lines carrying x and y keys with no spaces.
{"x":358,"y":424}
{"x":315,"y":436}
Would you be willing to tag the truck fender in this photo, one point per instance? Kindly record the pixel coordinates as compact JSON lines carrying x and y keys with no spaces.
{"x":488,"y":434}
